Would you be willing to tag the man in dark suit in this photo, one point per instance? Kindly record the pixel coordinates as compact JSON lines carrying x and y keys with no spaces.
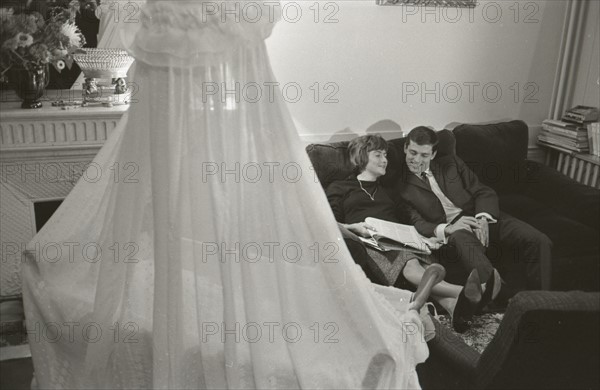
{"x":450,"y":203}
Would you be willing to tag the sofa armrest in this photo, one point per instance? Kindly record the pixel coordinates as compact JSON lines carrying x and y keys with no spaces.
{"x":514,"y":330}
{"x":455,"y":354}
{"x":572,"y":199}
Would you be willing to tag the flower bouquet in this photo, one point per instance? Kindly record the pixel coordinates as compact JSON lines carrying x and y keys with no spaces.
{"x":29,"y":43}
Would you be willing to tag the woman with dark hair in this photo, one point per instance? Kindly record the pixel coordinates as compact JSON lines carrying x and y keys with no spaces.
{"x":361,"y":196}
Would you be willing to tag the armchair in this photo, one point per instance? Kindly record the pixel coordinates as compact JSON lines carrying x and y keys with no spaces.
{"x":547,"y":339}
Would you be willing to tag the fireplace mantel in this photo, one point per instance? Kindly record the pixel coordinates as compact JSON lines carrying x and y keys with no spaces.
{"x":53,"y":131}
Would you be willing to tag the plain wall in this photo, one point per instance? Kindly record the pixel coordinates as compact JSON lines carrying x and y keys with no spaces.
{"x":495,"y":62}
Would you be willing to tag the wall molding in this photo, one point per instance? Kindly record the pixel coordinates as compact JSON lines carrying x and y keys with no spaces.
{"x":345,"y":135}
{"x":430,"y":3}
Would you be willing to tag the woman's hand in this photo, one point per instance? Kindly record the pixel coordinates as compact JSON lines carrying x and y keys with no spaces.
{"x":360,"y":229}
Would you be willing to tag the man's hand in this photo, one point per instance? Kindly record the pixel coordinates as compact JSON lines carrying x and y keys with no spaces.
{"x":464,"y":223}
{"x":483,"y":231}
{"x":360,"y":229}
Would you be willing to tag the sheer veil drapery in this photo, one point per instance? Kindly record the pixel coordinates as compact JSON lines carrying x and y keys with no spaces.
{"x":113,"y":15}
{"x":204,"y":254}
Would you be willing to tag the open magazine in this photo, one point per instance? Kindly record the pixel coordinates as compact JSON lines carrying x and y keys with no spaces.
{"x":389,"y":236}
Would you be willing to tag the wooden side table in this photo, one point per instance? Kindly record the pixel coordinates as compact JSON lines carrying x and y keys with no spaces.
{"x":581,"y":167}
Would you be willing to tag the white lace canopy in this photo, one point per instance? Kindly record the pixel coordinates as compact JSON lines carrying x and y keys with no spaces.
{"x":206,"y":255}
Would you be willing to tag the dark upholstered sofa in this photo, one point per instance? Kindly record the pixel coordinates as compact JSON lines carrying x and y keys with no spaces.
{"x":547,"y":339}
{"x":566,"y":211}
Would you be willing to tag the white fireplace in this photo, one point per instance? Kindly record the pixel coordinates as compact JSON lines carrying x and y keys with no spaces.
{"x":43,"y":153}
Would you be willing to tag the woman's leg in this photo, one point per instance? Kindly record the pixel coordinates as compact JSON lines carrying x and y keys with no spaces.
{"x":460,"y":302}
{"x":433,"y":275}
{"x":444,"y":293}
{"x":413,"y":272}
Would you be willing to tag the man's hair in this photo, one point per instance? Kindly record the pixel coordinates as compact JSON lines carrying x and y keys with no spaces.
{"x":359,"y":149}
{"x":423,"y":136}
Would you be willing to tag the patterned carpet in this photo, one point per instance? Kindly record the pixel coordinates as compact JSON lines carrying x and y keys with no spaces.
{"x":481,"y":332}
{"x":478,"y":337}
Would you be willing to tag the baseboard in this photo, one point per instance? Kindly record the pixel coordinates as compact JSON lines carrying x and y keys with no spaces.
{"x":537,"y":154}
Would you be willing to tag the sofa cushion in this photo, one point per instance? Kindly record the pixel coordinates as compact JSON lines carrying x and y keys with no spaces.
{"x":521,"y":206}
{"x":495,"y":152}
{"x":569,"y":237}
{"x":330,"y":161}
{"x":568,"y":197}
{"x":575,"y":248}
{"x":505,"y":141}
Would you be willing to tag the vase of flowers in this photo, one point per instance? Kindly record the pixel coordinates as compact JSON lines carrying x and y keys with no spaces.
{"x":29,"y":84}
{"x":31,"y":43}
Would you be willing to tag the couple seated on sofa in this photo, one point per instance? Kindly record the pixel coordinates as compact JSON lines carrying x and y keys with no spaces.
{"x":443,"y":199}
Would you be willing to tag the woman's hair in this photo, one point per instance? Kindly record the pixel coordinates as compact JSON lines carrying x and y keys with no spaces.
{"x":359,"y":149}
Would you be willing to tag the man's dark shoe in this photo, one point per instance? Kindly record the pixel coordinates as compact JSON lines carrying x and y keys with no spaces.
{"x":492,"y":289}
{"x":467,"y":303}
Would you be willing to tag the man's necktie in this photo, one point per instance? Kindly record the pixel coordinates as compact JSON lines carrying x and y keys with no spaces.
{"x":425,"y":179}
{"x":450,"y":208}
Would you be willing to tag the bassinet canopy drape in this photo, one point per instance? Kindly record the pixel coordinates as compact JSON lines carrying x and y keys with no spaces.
{"x":204,"y":254}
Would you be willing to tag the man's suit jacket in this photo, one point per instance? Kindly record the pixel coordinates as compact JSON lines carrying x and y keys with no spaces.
{"x":457,"y":182}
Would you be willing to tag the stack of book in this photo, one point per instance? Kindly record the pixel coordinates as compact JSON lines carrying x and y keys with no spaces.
{"x":571,"y":132}
{"x":594,"y":138}
{"x":564,"y":135}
